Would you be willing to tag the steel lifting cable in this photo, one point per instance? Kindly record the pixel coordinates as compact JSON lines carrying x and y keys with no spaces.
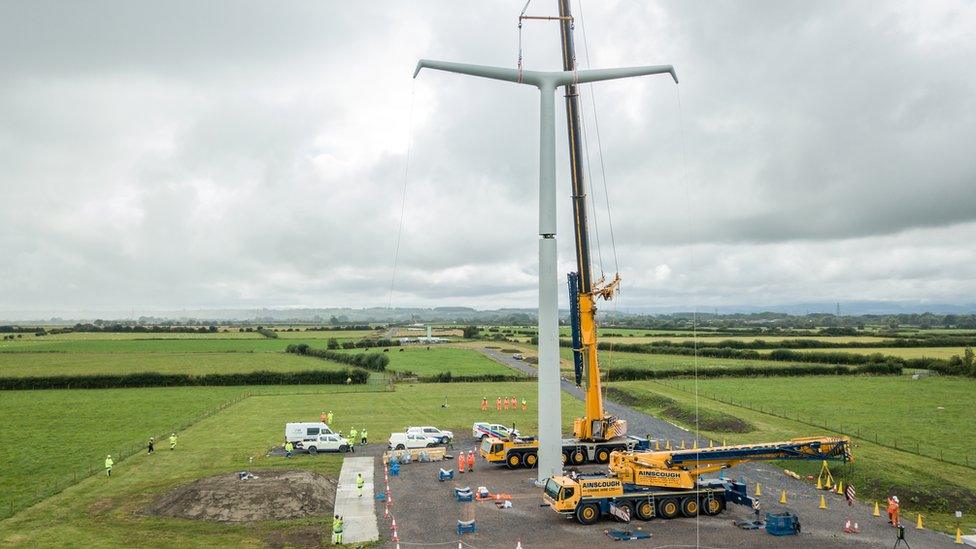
{"x":520,"y":18}
{"x":403,"y":198}
{"x":596,"y":126}
{"x":689,"y":204}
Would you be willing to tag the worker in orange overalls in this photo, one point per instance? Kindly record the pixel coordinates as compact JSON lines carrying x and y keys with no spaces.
{"x":461,"y":461}
{"x":484,"y":404}
{"x":471,"y":461}
{"x":323,"y":416}
{"x":893,"y":507}
{"x":505,"y":403}
{"x":514,"y":404}
{"x":498,"y":404}
{"x":525,"y":405}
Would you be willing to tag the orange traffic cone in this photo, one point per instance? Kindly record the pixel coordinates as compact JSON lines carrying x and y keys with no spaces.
{"x":918,"y":523}
{"x":758,"y":489}
{"x":819,"y":484}
{"x":958,"y":536}
{"x":782,"y":497}
{"x":840,"y":487}
{"x":823,"y":502}
{"x":657,"y":445}
{"x":877,"y":510}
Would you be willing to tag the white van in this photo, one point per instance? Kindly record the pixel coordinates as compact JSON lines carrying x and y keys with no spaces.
{"x":297,"y":432}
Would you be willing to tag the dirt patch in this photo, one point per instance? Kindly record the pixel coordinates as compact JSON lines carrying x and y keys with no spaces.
{"x":273,"y":495}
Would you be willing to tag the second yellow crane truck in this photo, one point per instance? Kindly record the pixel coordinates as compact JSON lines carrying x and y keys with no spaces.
{"x":667,"y":484}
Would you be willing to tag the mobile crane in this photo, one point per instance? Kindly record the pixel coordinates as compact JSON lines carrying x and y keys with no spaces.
{"x":597,"y":434}
{"x":666,"y":484}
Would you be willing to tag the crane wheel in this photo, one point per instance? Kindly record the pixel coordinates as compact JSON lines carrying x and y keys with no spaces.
{"x":588,"y":513}
{"x":669,"y":508}
{"x":645,"y":510}
{"x":602,"y":455}
{"x":578,"y":457}
{"x":629,"y":506}
{"x":513,"y":461}
{"x":530,"y":460}
{"x":689,"y":506}
{"x":713,"y":506}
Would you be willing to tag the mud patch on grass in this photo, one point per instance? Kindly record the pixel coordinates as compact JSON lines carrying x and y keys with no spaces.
{"x":273,"y":495}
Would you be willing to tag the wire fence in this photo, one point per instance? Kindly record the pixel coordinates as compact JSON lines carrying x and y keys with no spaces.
{"x":904,"y":444}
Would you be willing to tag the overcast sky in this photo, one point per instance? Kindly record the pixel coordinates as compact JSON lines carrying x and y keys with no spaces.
{"x":160,"y":155}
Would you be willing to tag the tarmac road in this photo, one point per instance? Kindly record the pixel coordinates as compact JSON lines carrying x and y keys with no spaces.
{"x":803,"y":498}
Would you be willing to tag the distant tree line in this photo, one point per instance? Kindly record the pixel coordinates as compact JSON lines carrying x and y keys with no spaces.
{"x":270,"y":334}
{"x":153,"y":379}
{"x":632,"y":374}
{"x":370,"y":361}
{"x":955,"y":366}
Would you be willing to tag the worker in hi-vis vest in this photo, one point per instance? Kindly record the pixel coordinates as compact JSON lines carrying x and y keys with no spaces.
{"x":360,"y":482}
{"x":108,"y":465}
{"x":337,"y":530}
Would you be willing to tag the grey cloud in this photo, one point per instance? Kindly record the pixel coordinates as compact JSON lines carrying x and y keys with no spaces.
{"x":250,"y":154}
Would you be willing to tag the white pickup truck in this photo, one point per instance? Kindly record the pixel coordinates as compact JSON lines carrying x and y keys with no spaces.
{"x":330,"y":442}
{"x":404,"y":441}
{"x":442,"y":437}
{"x":482,"y":430}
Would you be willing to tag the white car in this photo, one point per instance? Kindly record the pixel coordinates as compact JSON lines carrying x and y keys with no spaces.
{"x":325,"y":443}
{"x":483,"y":430}
{"x":518,"y":356}
{"x":403,"y":441}
{"x":442,"y":437}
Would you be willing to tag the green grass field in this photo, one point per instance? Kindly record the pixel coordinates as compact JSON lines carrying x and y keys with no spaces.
{"x":49,"y":364}
{"x":616,"y":359}
{"x":716,"y":339}
{"x":162,"y":345}
{"x":232,"y":333}
{"x":424,"y":362}
{"x":47,"y":437}
{"x":925,"y":483}
{"x":904,"y":352}
{"x":339,"y":335}
{"x":100,"y":511}
{"x":934,"y":411}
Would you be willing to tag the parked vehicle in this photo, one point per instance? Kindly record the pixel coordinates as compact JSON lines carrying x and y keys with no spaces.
{"x":404,"y":441}
{"x":298,"y":432}
{"x":442,"y":437}
{"x":518,"y":356}
{"x":330,"y":442}
{"x":482,"y":430}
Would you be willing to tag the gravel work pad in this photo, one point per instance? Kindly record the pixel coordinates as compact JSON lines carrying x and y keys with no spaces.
{"x":273,"y":495}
